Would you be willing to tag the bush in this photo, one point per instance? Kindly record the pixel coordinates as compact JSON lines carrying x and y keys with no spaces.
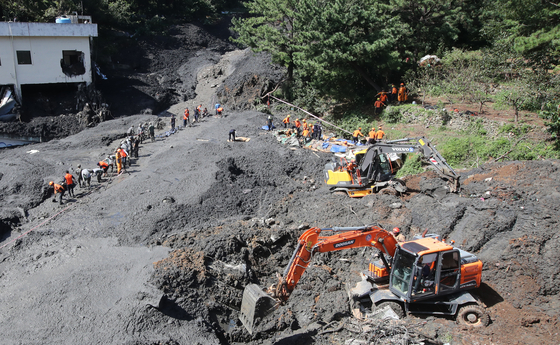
{"x":412,"y":166}
{"x":391,"y":114}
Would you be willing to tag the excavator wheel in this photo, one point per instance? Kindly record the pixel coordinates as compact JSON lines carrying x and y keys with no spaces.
{"x":394,"y":306}
{"x":473,"y":316}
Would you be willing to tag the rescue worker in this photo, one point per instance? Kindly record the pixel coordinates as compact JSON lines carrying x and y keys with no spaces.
{"x":119,"y":161}
{"x":305,"y":125}
{"x":198,"y":112}
{"x":378,"y":106}
{"x":103,"y":165}
{"x":79,"y":173}
{"x":397,"y":234}
{"x":357,"y":132}
{"x":216,"y":107}
{"x":70,"y":183}
{"x":286,"y":121}
{"x":394,"y":92}
{"x":297,"y":125}
{"x":152,"y":131}
{"x":58,"y":189}
{"x":380,"y":134}
{"x":403,"y":93}
{"x":186,"y":117}
{"x":124,"y":158}
{"x":269,"y":122}
{"x":172,"y":122}
{"x":372,"y":136}
{"x":140,"y":132}
{"x":98,"y":172}
{"x":130,"y":131}
{"x":231,"y":136}
{"x":219,"y":111}
{"x":135,"y":147}
{"x":205,"y":113}
{"x":317,"y":131}
{"x":383,"y":96}
{"x":85,"y":175}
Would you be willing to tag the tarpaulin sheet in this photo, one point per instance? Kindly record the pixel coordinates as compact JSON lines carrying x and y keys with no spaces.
{"x":338,"y":148}
{"x":266,"y":127}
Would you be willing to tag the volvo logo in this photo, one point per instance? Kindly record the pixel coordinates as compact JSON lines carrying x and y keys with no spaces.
{"x":403,"y":149}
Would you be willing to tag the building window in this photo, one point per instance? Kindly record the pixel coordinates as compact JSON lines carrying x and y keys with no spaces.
{"x":72,"y":62}
{"x":23,"y":57}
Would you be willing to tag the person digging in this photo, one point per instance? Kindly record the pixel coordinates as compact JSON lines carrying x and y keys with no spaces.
{"x":58,"y":189}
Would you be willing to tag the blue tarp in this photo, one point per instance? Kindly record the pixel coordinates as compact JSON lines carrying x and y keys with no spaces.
{"x":338,"y":148}
{"x":266,"y":127}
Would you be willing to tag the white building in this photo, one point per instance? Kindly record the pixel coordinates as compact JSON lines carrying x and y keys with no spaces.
{"x":46,"y":53}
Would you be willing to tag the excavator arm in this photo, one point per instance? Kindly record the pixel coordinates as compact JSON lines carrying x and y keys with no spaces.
{"x":257,"y":304}
{"x":430,"y":155}
{"x":345,"y":238}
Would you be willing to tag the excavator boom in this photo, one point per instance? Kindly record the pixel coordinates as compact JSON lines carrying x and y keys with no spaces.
{"x":257,"y":304}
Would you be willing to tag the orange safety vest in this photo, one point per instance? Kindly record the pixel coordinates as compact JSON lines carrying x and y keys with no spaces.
{"x":186,"y":116}
{"x":298,"y":123}
{"x":198,"y":108}
{"x":380,"y":134}
{"x":103,"y":164}
{"x":357,"y":132}
{"x":305,"y":132}
{"x":394,"y":90}
{"x":383,"y":98}
{"x":372,"y":134}
{"x":58,"y":188}
{"x":305,"y":125}
{"x":286,"y":120}
{"x":378,"y":104}
{"x":220,"y":109}
{"x":68,"y":178}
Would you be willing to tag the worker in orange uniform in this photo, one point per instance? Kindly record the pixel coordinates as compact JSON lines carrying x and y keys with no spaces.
{"x":372,"y":136}
{"x":305,"y":125}
{"x":186,"y":117}
{"x":398,"y":236}
{"x":118,"y":159}
{"x":70,"y":183}
{"x":403,"y":93}
{"x":219,"y":111}
{"x":297,"y":125}
{"x":58,"y":189}
{"x":378,"y":106}
{"x":393,"y":94}
{"x":357,"y":132}
{"x":380,"y":134}
{"x":383,"y":96}
{"x":286,"y":121}
{"x":103,"y":165}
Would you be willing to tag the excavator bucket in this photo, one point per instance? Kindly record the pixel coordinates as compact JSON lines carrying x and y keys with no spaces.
{"x":255,"y":305}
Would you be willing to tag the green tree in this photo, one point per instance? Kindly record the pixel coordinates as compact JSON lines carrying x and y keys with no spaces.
{"x":427,"y":25}
{"x":349,"y":45}
{"x":274,"y":27}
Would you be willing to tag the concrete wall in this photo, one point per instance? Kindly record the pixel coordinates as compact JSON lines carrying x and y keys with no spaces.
{"x":45,"y":41}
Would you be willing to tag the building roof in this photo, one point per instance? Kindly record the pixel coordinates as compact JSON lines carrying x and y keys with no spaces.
{"x":15,"y":29}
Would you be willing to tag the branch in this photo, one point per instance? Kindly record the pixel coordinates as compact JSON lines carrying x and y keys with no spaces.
{"x":507,"y":153}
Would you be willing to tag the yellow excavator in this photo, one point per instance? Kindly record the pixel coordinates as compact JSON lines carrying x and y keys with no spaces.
{"x":376,"y":166}
{"x":425,"y":276}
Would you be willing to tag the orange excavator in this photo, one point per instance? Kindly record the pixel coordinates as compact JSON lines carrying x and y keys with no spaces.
{"x":425,"y":275}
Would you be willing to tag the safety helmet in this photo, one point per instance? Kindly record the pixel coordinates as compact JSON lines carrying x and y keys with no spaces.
{"x":51,"y":183}
{"x":396,"y":230}
{"x":297,"y":119}
{"x":378,"y":98}
{"x":402,"y":83}
{"x":118,"y":150}
{"x":288,"y":115}
{"x":380,"y":127}
{"x":304,"y":120}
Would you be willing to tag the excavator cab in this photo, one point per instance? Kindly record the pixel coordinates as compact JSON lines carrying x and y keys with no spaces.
{"x":426,"y":268}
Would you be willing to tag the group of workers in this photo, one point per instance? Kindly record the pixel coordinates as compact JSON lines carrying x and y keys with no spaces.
{"x":121,"y":158}
{"x":373,"y":136}
{"x":395,"y":94}
{"x":303,"y":129}
{"x":198,"y":114}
